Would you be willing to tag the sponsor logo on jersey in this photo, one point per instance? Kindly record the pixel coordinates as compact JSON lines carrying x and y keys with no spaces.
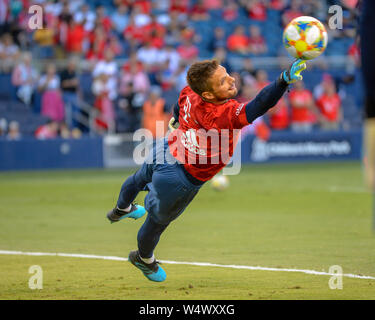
{"x":190,"y":142}
{"x":239,"y":108}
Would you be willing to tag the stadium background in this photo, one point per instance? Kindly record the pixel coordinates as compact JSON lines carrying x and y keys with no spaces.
{"x":305,"y":216}
{"x":127,"y":55}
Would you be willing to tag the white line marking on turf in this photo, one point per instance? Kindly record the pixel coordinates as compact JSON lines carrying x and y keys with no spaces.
{"x":348,"y":189}
{"x":200,"y":264}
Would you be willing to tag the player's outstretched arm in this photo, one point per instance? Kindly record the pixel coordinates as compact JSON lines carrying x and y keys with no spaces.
{"x":270,"y":95}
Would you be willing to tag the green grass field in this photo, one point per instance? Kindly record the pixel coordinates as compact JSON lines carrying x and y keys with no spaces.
{"x":302,"y":216}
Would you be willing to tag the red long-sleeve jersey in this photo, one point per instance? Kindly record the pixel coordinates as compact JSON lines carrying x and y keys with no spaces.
{"x":207,"y":135}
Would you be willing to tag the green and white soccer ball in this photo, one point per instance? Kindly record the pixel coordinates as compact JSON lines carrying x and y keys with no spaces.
{"x":220,"y":182}
{"x":305,"y":38}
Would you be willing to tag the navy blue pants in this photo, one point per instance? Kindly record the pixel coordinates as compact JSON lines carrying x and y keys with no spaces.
{"x":169,"y":193}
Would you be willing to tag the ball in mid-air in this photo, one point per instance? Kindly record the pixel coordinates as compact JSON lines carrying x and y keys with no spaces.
{"x":220,"y":182}
{"x":305,"y":38}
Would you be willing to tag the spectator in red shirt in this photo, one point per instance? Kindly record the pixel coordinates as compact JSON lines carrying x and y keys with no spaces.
{"x":199,"y":12}
{"x":258,"y":128}
{"x":179,"y":7}
{"x":187,"y":50}
{"x":97,"y":40}
{"x":303,"y":108}
{"x":102,"y":19}
{"x":257,"y":9}
{"x":238,"y":41}
{"x":279,"y":116}
{"x":230,"y":11}
{"x":157,"y":39}
{"x":144,"y":5}
{"x":354,"y":53}
{"x":294,"y":11}
{"x":154,"y":32}
{"x":329,"y":105}
{"x":277,"y":4}
{"x":257,"y":45}
{"x":133,"y":34}
{"x":154,"y":25}
{"x":75,"y":37}
{"x":213,"y":4}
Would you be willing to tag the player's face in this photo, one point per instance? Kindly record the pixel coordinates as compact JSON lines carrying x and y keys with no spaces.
{"x":223,"y":85}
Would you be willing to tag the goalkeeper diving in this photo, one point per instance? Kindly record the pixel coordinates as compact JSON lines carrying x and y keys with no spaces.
{"x":206,"y":105}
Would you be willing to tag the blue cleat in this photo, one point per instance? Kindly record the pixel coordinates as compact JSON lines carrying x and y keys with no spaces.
{"x":152,"y":271}
{"x":135,"y":213}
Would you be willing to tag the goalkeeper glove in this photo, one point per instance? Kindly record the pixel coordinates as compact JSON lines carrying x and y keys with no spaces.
{"x":293,"y":73}
{"x":173,"y":124}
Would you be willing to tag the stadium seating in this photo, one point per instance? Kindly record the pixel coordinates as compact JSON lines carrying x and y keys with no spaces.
{"x":29,"y":118}
{"x":271,"y":30}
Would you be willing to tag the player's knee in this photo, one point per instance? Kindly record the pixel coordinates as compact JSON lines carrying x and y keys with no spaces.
{"x":138,"y":180}
{"x":150,"y":228}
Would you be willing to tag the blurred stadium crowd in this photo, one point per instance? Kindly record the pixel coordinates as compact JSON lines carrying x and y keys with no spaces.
{"x":103,"y":66}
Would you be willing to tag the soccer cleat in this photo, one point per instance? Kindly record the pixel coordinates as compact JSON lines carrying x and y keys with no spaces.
{"x":135,"y":212}
{"x":152,"y":271}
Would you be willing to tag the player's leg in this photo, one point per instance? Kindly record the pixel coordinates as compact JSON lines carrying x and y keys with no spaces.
{"x":167,"y":199}
{"x":143,"y":258}
{"x":148,"y":237}
{"x":170,"y":194}
{"x":131,"y":187}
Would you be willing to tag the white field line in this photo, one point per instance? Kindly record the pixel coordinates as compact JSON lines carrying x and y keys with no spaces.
{"x":200,"y":264}
{"x":348,"y":189}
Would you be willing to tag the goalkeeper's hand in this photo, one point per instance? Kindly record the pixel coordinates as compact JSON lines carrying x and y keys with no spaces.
{"x":173,"y":124}
{"x":293,"y":73}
